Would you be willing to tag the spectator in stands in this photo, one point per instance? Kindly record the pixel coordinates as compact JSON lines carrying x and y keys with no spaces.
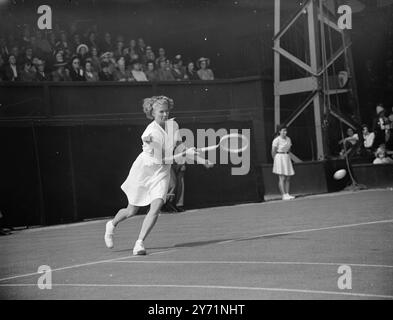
{"x":107,"y":58}
{"x":132,"y":48}
{"x":350,"y":143}
{"x":141,"y":48}
{"x":119,"y":49}
{"x":91,"y":75}
{"x":381,"y":126}
{"x":191,"y":72}
{"x":121,"y":74}
{"x":161,"y":57}
{"x":150,"y":56}
{"x":28,"y":57}
{"x":4,"y":51}
{"x":42,"y":75}
{"x":76,"y":43}
{"x":95,"y":60}
{"x":76,"y":71}
{"x":60,"y":73}
{"x":33,"y":45}
{"x":107,"y":45}
{"x":28,"y":73}
{"x":92,"y":40}
{"x":368,"y":141}
{"x":36,"y":60}
{"x":204,"y":72}
{"x":126,"y":55}
{"x":11,"y":70}
{"x":82,"y":52}
{"x":178,"y":71}
{"x":105,"y":74}
{"x":63,"y":41}
{"x":43,"y":44}
{"x":151,"y":73}
{"x":59,"y":56}
{"x":381,"y":157}
{"x":16,"y":53}
{"x":164,"y":73}
{"x":25,"y":41}
{"x":52,"y":40}
{"x":137,"y":72}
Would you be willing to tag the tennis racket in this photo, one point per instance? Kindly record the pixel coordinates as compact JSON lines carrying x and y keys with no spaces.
{"x":233,"y":143}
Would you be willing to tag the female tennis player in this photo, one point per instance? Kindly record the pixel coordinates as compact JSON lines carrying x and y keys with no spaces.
{"x":282,"y":162}
{"x":148,"y":179}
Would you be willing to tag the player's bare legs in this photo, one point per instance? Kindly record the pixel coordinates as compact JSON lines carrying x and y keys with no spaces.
{"x":121,"y":215}
{"x":148,"y":224}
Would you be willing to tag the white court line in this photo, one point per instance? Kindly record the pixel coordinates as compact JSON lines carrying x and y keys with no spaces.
{"x":259,"y":262}
{"x":80,"y":265}
{"x":94,"y":285}
{"x":227,"y":241}
{"x":308,"y":230}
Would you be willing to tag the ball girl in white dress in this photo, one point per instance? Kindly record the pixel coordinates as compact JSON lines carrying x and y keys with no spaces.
{"x":282,"y":165}
{"x":148,"y":179}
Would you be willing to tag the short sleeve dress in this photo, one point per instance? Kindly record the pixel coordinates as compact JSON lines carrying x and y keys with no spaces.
{"x":282,"y":161}
{"x":148,"y":178}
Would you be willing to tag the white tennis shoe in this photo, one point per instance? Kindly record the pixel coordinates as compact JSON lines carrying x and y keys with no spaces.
{"x":287,"y":197}
{"x":109,"y":231}
{"x":139,"y":249}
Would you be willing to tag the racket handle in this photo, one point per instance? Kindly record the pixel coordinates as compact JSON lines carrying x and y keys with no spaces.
{"x":207,"y":148}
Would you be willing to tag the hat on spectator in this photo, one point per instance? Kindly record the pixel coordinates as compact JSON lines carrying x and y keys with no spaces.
{"x":82,"y":46}
{"x":379,"y":109}
{"x":105,"y":54}
{"x":177,"y":58}
{"x":203,"y":59}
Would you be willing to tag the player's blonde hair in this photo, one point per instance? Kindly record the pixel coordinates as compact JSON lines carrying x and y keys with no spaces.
{"x":150,"y":103}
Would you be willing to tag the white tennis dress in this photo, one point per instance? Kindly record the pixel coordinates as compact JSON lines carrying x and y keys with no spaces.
{"x":282,"y":161}
{"x":149,"y":178}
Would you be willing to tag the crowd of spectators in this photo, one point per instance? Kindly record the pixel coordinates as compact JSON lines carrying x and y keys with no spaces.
{"x":87,"y":56}
{"x":376,"y":143}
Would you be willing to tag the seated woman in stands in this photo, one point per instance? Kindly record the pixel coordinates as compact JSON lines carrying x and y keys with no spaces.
{"x":178,"y":71}
{"x":204,"y":72}
{"x":381,"y":156}
{"x":76,"y":72}
{"x":60,"y":73}
{"x":82,"y":53}
{"x":95,"y":60}
{"x":191,"y":73}
{"x":105,"y":73}
{"x":368,"y":141}
{"x":121,"y":73}
{"x":164,"y":72}
{"x":350,"y":143}
{"x":137,"y":72}
{"x":151,"y":72}
{"x":29,"y":72}
{"x":91,"y":74}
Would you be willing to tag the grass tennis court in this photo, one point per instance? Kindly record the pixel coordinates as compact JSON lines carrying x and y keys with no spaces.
{"x":271,"y":250}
